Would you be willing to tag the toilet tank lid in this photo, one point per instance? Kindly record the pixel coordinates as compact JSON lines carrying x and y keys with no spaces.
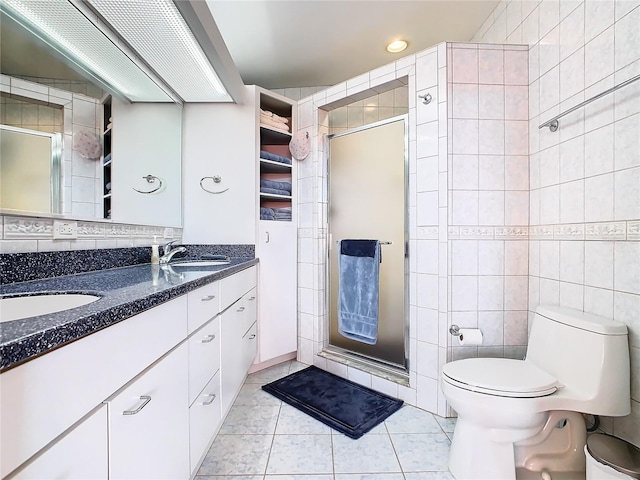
{"x":582,"y":320}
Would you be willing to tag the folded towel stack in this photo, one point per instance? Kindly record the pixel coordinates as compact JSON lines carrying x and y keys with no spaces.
{"x":282,"y":214}
{"x":274,"y":191}
{"x":273,"y":185}
{"x":276,"y":122}
{"x":274,"y":158}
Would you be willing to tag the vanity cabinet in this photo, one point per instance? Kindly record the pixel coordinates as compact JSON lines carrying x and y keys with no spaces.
{"x":73,"y":380}
{"x":163,"y":367}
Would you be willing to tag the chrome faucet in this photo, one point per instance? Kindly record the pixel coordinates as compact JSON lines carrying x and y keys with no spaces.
{"x":169,"y":252}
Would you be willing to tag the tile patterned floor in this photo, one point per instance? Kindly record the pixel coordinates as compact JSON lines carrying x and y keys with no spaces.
{"x":263,"y":438}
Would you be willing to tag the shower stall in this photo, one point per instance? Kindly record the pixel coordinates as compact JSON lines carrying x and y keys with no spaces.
{"x":367,"y":193}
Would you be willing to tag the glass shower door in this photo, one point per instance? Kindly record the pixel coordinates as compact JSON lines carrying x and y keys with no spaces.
{"x":367,"y":200}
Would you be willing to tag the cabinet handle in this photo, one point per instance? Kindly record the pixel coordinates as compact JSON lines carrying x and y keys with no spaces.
{"x":267,"y":237}
{"x":145,"y":399}
{"x":212,"y":397}
{"x":208,"y":339}
{"x":208,"y":298}
{"x":241,"y":309}
{"x":252,"y":298}
{"x":252,"y":336}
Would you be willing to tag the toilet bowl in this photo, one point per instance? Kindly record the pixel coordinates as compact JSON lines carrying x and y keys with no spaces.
{"x":525,"y":413}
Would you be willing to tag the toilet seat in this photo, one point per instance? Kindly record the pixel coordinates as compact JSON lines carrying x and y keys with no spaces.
{"x":500,"y":377}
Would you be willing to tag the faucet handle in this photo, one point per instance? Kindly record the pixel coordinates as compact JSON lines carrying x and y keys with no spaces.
{"x":167,"y":247}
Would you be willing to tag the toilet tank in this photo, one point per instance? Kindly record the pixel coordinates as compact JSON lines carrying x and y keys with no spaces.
{"x":587,"y":354}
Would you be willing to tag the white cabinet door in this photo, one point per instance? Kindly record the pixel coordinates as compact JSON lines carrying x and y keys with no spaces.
{"x":277,"y":322}
{"x":232,"y":369}
{"x":79,"y":455}
{"x":149,"y":423}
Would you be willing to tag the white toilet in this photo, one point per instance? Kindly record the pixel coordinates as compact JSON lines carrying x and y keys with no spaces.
{"x":525,"y":413}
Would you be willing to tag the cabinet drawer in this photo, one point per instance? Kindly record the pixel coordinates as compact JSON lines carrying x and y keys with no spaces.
{"x":249,"y":347}
{"x":149,"y":423}
{"x":204,"y":420}
{"x":78,"y":455}
{"x":204,"y":357}
{"x":235,"y":286}
{"x":204,"y":304}
{"x":77,"y":378}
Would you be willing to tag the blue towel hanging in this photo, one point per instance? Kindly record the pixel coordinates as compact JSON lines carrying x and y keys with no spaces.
{"x":358,"y":290}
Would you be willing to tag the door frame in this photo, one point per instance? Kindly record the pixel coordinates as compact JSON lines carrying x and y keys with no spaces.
{"x":341,"y":355}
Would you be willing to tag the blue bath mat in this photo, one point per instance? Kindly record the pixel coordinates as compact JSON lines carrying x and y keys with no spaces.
{"x":341,"y":404}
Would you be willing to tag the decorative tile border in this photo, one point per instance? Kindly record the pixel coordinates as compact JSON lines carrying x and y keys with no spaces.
{"x":32,"y":228}
{"x":512,"y":232}
{"x":16,"y":229}
{"x":606,"y":231}
{"x":624,"y":230}
{"x":569,"y":232}
{"x":428,"y":233}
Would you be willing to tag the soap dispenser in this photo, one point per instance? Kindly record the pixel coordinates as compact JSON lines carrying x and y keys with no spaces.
{"x":155,"y":252}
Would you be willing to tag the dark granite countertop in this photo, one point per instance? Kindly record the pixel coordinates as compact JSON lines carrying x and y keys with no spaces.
{"x":124,"y":292}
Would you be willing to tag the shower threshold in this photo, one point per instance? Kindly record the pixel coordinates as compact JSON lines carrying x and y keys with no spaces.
{"x":391,"y":372}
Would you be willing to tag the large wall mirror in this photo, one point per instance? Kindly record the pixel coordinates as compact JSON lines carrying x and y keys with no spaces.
{"x":118,"y":159}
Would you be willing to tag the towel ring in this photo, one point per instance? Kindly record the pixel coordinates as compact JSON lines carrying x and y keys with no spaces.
{"x":426,"y":99}
{"x":216,"y":179}
{"x":150,"y":179}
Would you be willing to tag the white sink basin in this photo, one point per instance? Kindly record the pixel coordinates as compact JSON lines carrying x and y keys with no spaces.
{"x":26,"y":306}
{"x":199,"y":263}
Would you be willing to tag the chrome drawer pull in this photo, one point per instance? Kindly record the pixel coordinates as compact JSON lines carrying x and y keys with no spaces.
{"x":208,"y":298}
{"x":241,"y":309}
{"x":252,"y":298}
{"x":252,"y":336}
{"x":208,"y":339}
{"x":212,"y":397}
{"x":145,"y":398}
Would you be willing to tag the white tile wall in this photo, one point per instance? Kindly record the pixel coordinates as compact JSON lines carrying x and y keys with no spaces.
{"x":585,"y":178}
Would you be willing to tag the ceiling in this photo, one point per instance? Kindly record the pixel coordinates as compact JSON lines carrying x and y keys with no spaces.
{"x":302,"y":43}
{"x":306,"y":43}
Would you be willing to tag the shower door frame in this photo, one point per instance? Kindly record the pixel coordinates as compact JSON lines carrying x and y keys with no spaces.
{"x":396,"y":372}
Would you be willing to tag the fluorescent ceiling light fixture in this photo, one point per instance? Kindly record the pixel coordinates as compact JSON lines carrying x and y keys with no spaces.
{"x":397,"y":46}
{"x":62,"y":26}
{"x":156,"y":30}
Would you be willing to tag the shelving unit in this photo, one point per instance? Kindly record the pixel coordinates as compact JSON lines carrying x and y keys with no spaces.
{"x":106,"y":156}
{"x":275,"y":142}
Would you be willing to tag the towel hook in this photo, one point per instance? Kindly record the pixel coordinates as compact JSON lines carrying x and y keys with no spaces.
{"x":150,"y":179}
{"x":216,"y":179}
{"x":426,"y":99}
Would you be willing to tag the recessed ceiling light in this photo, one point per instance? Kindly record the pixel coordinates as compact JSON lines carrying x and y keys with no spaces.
{"x":396,"y":46}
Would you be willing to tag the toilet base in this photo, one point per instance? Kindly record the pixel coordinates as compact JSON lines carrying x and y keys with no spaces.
{"x":483,"y":453}
{"x":558,"y":447}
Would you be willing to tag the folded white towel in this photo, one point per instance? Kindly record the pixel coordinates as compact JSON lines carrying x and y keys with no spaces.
{"x":269,"y":122}
{"x":267,"y":113}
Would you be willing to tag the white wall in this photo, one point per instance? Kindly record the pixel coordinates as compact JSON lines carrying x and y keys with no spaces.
{"x":584,"y":178}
